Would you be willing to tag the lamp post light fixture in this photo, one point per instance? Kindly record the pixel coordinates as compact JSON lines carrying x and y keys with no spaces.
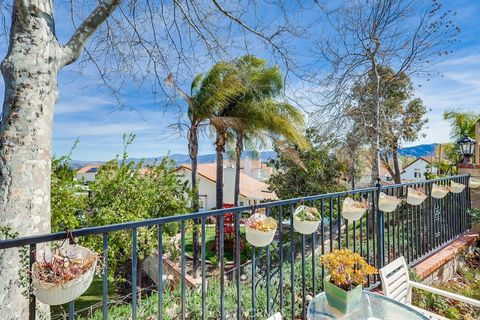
{"x":467,"y":147}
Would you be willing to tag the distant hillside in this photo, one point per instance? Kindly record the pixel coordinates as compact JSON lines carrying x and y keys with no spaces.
{"x":421,"y":150}
{"x":178,"y":158}
{"x":415,"y":151}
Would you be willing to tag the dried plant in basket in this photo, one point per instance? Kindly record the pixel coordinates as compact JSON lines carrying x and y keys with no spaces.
{"x":416,"y":197}
{"x":353,"y":210}
{"x":65,"y":275}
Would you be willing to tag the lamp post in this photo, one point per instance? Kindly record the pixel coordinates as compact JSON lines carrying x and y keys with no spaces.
{"x":467,"y":146}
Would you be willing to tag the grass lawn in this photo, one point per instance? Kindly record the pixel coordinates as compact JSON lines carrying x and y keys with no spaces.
{"x":210,"y":245}
{"x":92,"y":296}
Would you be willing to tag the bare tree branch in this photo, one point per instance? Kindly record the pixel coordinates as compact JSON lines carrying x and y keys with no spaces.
{"x":74,"y":47}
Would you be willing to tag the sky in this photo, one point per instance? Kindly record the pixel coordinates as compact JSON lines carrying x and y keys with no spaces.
{"x":86,"y":110}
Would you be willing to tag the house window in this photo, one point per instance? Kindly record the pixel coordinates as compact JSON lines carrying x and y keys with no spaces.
{"x":202,"y":202}
{"x":242,"y":203}
{"x":417,"y":174}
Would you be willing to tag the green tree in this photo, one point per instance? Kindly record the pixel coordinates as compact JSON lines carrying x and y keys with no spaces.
{"x":126,"y":191}
{"x":402,"y":116}
{"x":209,"y":93}
{"x":258,"y":115}
{"x":69,"y":197}
{"x":321,"y":173}
{"x":461,"y":123}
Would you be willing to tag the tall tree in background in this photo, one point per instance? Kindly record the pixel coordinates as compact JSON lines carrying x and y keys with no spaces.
{"x":321,"y":173}
{"x":257,"y":112}
{"x":30,"y":71}
{"x":208,"y":93}
{"x":401,"y":115}
{"x":404,"y":34}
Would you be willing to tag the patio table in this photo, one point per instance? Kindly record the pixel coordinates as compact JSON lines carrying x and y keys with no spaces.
{"x":371,"y":307}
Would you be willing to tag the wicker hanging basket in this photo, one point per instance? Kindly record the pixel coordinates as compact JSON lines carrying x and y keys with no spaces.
{"x":260,"y":230}
{"x":306,"y":226}
{"x":456,"y":187}
{"x":439,"y":192}
{"x":53,"y":291}
{"x":353,"y":210}
{"x":388,"y":203}
{"x":474,"y":183}
{"x":415,"y":197}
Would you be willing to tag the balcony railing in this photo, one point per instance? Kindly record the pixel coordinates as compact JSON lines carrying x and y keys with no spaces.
{"x":280,"y":277}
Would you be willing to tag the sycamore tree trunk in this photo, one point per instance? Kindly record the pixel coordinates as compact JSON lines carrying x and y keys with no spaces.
{"x":193,"y":152}
{"x":30,"y":70}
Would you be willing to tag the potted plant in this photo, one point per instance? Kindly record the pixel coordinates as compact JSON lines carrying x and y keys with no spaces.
{"x":353,"y":210}
{"x":474,"y":183}
{"x":415,"y":197}
{"x":65,"y":276}
{"x":439,"y":192}
{"x":260,"y":230}
{"x":456,"y":187}
{"x":388,"y":203}
{"x":306,"y":219}
{"x":347,"y":273}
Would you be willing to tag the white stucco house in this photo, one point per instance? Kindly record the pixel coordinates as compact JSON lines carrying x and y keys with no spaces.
{"x":251,"y":190}
{"x":416,"y":170}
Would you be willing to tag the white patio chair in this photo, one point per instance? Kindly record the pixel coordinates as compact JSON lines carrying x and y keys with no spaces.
{"x":396,"y":284}
{"x":276,"y":316}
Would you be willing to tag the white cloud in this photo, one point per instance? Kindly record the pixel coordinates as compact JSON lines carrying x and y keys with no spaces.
{"x":457,"y":87}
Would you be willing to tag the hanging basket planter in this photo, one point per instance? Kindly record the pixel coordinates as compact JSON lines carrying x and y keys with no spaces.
{"x":415,"y":197}
{"x":474,"y":183}
{"x":353,"y":210}
{"x":260,"y":230}
{"x":387,"y":203}
{"x":456,"y":187}
{"x":66,"y":276}
{"x":306,"y":219}
{"x":439,"y":192}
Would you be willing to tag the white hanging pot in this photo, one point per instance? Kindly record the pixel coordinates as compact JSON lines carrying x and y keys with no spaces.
{"x":260,"y":230}
{"x":52,"y":293}
{"x":388,"y":203}
{"x":439,"y":192}
{"x":415,"y":197}
{"x":456,"y":187}
{"x":302,"y":225}
{"x":474,"y":183}
{"x":353,"y":210}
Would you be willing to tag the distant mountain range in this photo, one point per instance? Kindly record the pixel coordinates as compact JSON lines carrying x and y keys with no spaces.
{"x":415,"y":151}
{"x":422,"y":150}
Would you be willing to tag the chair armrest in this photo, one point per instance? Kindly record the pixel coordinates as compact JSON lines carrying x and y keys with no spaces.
{"x":445,"y":293}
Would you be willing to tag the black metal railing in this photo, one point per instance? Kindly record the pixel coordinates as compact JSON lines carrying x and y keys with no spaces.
{"x":279,"y":277}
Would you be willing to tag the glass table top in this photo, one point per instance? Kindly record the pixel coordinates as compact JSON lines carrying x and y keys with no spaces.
{"x":371,"y":307}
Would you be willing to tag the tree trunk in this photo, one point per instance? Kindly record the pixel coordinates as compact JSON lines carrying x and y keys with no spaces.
{"x":238,"y":154}
{"x":375,"y":144}
{"x":396,"y":165}
{"x":220,"y":148}
{"x":236,"y":196}
{"x":30,"y":71}
{"x":193,"y":152}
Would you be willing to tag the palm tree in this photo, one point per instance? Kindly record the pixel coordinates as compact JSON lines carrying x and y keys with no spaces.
{"x":461,"y":123}
{"x":208,"y":92}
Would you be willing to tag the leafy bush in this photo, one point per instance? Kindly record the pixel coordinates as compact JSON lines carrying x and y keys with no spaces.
{"x":466,"y":282}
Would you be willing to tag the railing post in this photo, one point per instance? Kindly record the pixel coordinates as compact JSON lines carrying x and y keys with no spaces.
{"x":381,"y":230}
